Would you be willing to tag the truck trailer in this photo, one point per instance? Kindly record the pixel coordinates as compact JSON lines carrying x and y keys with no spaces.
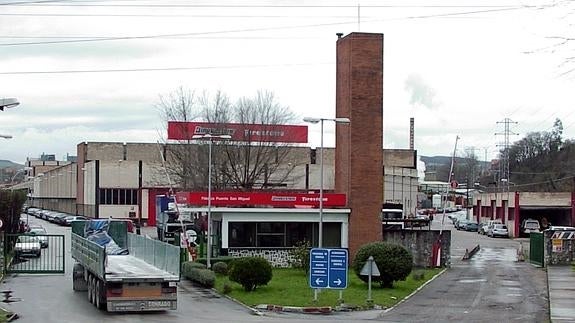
{"x":128,"y":273}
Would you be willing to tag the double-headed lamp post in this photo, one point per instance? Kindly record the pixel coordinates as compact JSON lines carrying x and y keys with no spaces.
{"x":210,"y":138}
{"x":320,"y":121}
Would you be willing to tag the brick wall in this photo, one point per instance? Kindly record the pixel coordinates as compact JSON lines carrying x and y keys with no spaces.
{"x":359,"y":158}
{"x":420,"y":244}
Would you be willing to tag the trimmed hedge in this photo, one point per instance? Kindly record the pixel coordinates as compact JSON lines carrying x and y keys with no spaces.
{"x":194,"y":264}
{"x":199,"y":274}
{"x":393,"y":261}
{"x":220,"y":267}
{"x":250,"y":272}
{"x":227,"y":259}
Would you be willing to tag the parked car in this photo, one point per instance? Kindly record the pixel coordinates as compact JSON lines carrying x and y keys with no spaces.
{"x":460,"y":225}
{"x":471,"y":226}
{"x":32,"y":211}
{"x":482,"y":229}
{"x":498,"y":230}
{"x":46,"y":214}
{"x":60,"y":218}
{"x":530,"y":225}
{"x":27,"y":245}
{"x":68,"y":219}
{"x":41,"y":232}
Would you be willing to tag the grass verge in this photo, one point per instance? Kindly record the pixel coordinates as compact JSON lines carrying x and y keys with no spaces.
{"x":290,"y":287}
{"x":4,"y":315}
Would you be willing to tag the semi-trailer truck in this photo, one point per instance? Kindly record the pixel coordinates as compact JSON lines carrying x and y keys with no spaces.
{"x":133,"y":273}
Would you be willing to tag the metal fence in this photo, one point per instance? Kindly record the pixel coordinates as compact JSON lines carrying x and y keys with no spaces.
{"x":34,"y":254}
{"x":536,"y":249}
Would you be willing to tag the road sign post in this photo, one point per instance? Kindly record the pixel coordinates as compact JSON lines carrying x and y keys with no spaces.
{"x":369,"y":269}
{"x":328,"y":269}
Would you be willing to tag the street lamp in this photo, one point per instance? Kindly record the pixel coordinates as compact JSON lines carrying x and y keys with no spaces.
{"x":320,"y":121}
{"x":210,"y":139}
{"x":8,"y":103}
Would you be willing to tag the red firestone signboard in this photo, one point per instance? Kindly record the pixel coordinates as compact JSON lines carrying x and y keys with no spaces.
{"x":178,"y":130}
{"x":287,"y":200}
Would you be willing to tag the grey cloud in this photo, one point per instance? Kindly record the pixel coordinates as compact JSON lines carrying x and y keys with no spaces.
{"x":101,"y":50}
{"x":420,"y":93}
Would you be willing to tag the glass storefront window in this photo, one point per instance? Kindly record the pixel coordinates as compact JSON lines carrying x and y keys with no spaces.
{"x":282,"y":234}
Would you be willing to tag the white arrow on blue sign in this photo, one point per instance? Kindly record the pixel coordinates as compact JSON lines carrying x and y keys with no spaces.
{"x":328,"y":268}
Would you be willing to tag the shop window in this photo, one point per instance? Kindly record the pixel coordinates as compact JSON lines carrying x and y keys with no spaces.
{"x":242,"y":234}
{"x":282,"y":234}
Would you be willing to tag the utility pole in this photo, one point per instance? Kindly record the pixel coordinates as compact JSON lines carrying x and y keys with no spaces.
{"x":504,"y":161}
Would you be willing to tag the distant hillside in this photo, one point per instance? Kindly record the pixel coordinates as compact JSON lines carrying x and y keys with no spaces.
{"x":444,"y":160}
{"x":7,"y":163}
{"x":437,"y":167}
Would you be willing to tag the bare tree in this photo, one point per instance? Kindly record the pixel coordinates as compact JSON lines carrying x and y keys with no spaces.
{"x":254,"y":162}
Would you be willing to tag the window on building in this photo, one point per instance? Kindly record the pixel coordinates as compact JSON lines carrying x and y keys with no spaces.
{"x":282,"y":234}
{"x":242,"y":234}
{"x":122,"y":196}
{"x":116,"y":196}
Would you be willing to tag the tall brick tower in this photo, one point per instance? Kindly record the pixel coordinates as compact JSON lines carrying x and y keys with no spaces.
{"x":359,"y":145}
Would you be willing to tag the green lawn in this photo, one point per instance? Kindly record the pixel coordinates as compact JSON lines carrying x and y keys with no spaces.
{"x":290,"y":287}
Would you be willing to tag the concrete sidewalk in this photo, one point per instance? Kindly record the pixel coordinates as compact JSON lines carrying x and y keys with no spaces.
{"x":561,"y":282}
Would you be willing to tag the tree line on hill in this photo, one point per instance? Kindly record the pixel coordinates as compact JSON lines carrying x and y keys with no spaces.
{"x":542,"y":161}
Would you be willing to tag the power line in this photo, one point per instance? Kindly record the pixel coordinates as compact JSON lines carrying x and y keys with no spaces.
{"x":253,"y":29}
{"x":36,"y":2}
{"x":55,"y":3}
{"x":160,"y":69}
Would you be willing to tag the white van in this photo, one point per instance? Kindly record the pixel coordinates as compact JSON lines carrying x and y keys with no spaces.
{"x":530,"y":225}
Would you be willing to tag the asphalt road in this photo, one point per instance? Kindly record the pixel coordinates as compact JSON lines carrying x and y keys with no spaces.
{"x":493,"y":286}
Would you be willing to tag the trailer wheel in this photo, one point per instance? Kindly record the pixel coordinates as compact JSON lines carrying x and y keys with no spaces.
{"x":78,"y":282}
{"x":101,"y":301}
{"x":90,"y":288}
{"x":97,"y":296}
{"x":93,"y":290}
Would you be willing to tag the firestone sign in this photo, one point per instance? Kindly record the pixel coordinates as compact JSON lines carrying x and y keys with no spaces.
{"x":260,"y":199}
{"x":178,"y":130}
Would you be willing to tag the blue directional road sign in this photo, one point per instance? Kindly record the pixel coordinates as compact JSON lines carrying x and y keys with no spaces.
{"x":318,"y":268}
{"x":328,"y":268}
{"x":337,"y":268}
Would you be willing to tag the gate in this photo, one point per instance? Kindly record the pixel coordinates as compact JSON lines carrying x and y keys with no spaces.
{"x":536,"y":249}
{"x":34,"y":253}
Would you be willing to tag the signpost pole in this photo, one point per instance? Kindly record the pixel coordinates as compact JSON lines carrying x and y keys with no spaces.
{"x":370,"y":261}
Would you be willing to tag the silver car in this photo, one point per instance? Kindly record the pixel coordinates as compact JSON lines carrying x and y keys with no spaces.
{"x":27,"y":245}
{"x":498,"y":230}
{"x":41,"y":233}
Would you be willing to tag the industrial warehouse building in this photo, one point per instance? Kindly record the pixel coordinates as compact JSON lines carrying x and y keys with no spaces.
{"x":122,"y":180}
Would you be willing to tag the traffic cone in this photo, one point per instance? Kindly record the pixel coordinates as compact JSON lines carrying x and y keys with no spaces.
{"x":520,"y":255}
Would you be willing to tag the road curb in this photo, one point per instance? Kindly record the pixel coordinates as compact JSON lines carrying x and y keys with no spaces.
{"x":415,"y":291}
{"x":295,"y":309}
{"x":253,"y":310}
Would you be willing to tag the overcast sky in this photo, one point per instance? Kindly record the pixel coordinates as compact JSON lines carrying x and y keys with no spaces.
{"x":93,"y":70}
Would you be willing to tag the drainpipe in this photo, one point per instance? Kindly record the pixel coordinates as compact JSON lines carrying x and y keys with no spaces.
{"x":517,"y":217}
{"x":572,"y":208}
